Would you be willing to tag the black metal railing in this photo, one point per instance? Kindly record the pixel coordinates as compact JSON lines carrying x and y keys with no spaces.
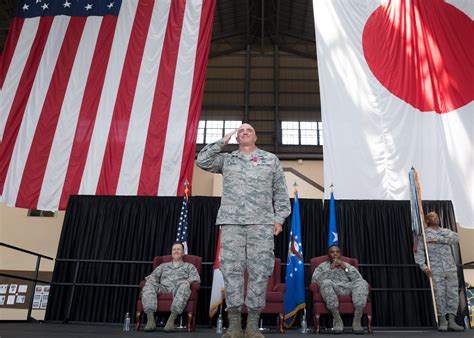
{"x":468,"y":265}
{"x":307,"y":265}
{"x":35,"y":280}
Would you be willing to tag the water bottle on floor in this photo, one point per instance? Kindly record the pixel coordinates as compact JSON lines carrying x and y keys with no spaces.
{"x":304,"y":325}
{"x":219,"y":324}
{"x":126,"y":322}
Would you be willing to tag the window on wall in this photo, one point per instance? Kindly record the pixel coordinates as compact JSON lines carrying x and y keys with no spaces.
{"x":201,"y":132}
{"x":40,"y":213}
{"x":212,"y":130}
{"x":301,"y":133}
{"x":290,"y":133}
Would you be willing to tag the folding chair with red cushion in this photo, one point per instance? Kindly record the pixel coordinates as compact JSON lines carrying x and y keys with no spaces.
{"x":165,"y":299}
{"x":345,"y":301}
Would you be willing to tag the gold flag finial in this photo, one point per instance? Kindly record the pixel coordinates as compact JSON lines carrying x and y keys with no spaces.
{"x":295,"y":186}
{"x":186,"y":189}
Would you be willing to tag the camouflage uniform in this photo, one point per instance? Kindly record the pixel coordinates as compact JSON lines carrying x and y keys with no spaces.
{"x":258,"y":259}
{"x":334,"y":282}
{"x":169,"y":278}
{"x":445,"y":276}
{"x":254,"y":198}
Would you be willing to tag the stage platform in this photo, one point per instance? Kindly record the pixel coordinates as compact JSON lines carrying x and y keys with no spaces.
{"x":53,"y":330}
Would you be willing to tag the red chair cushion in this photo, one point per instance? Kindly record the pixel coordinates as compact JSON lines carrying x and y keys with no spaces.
{"x":274,"y":297}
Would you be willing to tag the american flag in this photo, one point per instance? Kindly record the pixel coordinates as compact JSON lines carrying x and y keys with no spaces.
{"x":88,"y":92}
{"x":182,"y":229}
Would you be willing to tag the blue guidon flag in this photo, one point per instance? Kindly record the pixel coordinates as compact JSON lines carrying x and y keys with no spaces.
{"x":415,"y":208}
{"x":101,"y":97}
{"x":294,"y":299}
{"x":333,"y":238}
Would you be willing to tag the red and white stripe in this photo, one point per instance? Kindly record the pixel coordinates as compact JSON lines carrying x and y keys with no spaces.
{"x":86,"y":103}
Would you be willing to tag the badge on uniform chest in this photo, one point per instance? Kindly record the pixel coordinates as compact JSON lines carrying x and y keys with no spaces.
{"x":254,"y":161}
{"x":259,"y":161}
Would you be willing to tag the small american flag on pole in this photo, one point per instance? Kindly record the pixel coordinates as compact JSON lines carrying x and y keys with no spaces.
{"x":101,"y":97}
{"x":182,"y":230}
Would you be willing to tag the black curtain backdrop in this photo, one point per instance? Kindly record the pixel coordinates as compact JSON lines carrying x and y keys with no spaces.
{"x":378,"y":233}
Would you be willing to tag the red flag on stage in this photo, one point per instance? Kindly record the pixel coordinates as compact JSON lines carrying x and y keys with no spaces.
{"x":217,"y":292}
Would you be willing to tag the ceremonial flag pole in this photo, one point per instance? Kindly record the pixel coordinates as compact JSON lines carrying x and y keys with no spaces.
{"x":182,"y":231}
{"x":418,"y":226}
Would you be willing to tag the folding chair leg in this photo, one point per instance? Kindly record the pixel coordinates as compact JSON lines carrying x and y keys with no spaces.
{"x":138,"y":315}
{"x":190,"y":322}
{"x":280,"y":323}
{"x":316,"y":323}
{"x":369,"y":320}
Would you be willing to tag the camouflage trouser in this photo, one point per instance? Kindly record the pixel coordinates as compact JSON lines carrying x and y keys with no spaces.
{"x":152,"y":288}
{"x":446,"y":291}
{"x":246,"y":247}
{"x":330,"y":291}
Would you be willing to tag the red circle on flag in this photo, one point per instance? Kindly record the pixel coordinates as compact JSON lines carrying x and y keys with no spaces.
{"x":422,"y":52}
